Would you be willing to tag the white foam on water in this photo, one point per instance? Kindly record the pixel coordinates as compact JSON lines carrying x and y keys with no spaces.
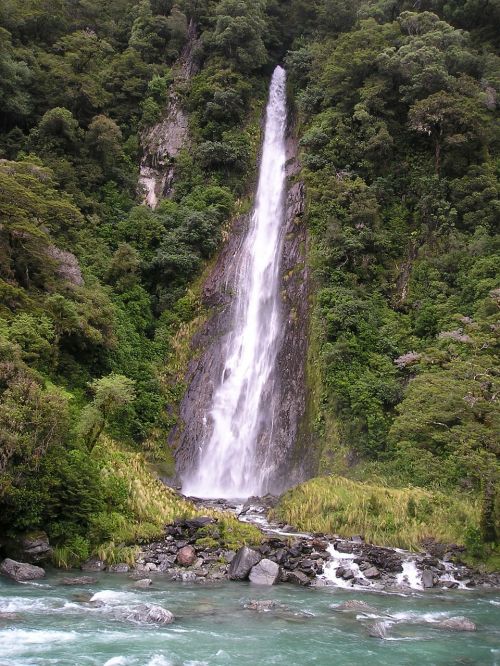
{"x":340,"y":559}
{"x":495,"y":603}
{"x":26,"y":605}
{"x":114,"y":598}
{"x":415,"y":616}
{"x":410,"y":576}
{"x":450,"y":576}
{"x":18,"y":641}
{"x":117,"y":661}
{"x":159,"y":660}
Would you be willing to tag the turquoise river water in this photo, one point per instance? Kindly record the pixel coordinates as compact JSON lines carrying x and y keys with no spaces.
{"x":213,"y":628}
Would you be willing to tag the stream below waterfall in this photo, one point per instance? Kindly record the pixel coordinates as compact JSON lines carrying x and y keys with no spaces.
{"x":54,"y":624}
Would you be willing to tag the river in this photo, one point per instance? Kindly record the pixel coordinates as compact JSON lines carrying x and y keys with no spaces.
{"x":213,"y":628}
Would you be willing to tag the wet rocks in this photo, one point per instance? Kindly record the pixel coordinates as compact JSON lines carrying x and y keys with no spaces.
{"x":427,"y":578}
{"x":20,"y":571}
{"x":82,"y":597}
{"x":78,"y":580}
{"x":6,"y":616}
{"x":245,"y":559}
{"x":458,"y":623}
{"x":121,"y":567}
{"x":31,"y":547}
{"x":93,"y":565}
{"x":261,"y":605}
{"x":355,"y":606}
{"x":143,"y":583}
{"x":265,"y":572}
{"x":372,"y":572}
{"x":150,"y":614}
{"x":377,"y":630}
{"x":297,"y":578}
{"x":186,"y":556}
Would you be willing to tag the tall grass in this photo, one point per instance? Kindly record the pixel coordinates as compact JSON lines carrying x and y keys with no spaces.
{"x":148,"y":505}
{"x":385,"y":516}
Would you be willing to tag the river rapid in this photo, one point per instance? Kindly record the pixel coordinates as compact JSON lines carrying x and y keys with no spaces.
{"x":54,"y":625}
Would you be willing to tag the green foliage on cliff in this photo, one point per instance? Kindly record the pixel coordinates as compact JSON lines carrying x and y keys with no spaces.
{"x":93,"y":286}
{"x":399,"y":141}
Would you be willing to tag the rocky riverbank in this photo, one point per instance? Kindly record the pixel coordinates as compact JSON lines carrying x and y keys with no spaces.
{"x":190,"y":551}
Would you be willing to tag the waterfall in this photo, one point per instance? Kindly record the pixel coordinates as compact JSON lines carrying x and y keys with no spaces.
{"x":235,"y":460}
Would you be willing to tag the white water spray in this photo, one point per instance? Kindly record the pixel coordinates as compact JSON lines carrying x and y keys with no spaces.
{"x":232,"y":461}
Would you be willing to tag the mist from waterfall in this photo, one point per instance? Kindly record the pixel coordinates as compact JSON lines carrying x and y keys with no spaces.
{"x":235,"y":460}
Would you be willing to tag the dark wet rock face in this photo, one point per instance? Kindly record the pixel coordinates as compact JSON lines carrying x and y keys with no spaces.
{"x":32,"y":547}
{"x":209,"y":350}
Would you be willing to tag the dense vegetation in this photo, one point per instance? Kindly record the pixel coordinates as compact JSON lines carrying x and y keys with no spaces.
{"x":399,"y":136}
{"x":396,"y":111}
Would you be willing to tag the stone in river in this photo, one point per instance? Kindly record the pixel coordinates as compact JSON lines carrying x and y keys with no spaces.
{"x":242,"y":563}
{"x":78,"y":580}
{"x":20,"y":571}
{"x":186,"y":556}
{"x":7,"y":616}
{"x":458,"y":623}
{"x":377,"y":630}
{"x":427,"y":578}
{"x":150,"y":614}
{"x":265,"y":572}
{"x":143,"y":583}
{"x":356,"y":606}
{"x":261,"y":605}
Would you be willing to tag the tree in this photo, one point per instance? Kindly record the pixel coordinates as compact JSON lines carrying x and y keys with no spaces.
{"x":449,"y":119}
{"x":111,"y":394}
{"x":238,"y":32}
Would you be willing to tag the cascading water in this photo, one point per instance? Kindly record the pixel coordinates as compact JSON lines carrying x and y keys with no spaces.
{"x":235,"y":459}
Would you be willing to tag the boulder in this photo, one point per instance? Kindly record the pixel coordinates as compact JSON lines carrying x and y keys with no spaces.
{"x":427,"y":578}
{"x":265,"y":572}
{"x":150,"y":614}
{"x":121,"y":567}
{"x":7,"y":616}
{"x":356,"y":606}
{"x":143,"y":583}
{"x":298,"y":578}
{"x":78,"y":580}
{"x":372,"y":572}
{"x":377,"y":630}
{"x":186,"y":556}
{"x":82,"y":597}
{"x":261,"y":605}
{"x":242,"y":563}
{"x":458,"y":623}
{"x":20,"y":571}
{"x":93,"y":565}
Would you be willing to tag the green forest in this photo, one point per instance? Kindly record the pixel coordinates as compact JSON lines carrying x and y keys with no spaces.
{"x":395,"y":108}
